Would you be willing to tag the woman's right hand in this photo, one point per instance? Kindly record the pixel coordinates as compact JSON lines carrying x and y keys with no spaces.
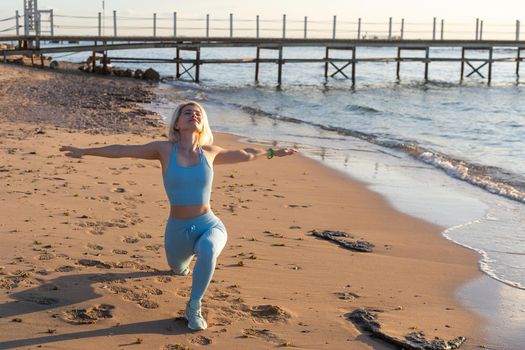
{"x":72,"y":152}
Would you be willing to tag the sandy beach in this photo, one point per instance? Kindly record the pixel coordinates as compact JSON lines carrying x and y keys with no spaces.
{"x":82,"y":262}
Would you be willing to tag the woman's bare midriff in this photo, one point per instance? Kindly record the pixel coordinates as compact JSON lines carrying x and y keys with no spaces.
{"x":188,"y":211}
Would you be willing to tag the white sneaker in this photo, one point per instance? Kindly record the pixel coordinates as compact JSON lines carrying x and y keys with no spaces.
{"x":193,"y":315}
{"x":185,"y":272}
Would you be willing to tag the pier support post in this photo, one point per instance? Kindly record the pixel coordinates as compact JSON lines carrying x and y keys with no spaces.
{"x":93,"y":61}
{"x":476,"y":70}
{"x":340,"y":70}
{"x":194,"y":64}
{"x":333,"y":31}
{"x":398,"y":62}
{"x":114,"y":23}
{"x":305,"y":26}
{"x":177,"y":58}
{"x":197,"y":65}
{"x":231,"y":25}
{"x":207,"y":25}
{"x":174,"y":24}
{"x":99,"y":24}
{"x":517,"y":30}
{"x":353,"y":66}
{"x":442,"y":28}
{"x":462,"y":64}
{"x":427,"y":56}
{"x":257,"y":26}
{"x":17,"y":23}
{"x":327,"y":51}
{"x":51,"y":23}
{"x":257,"y":56}
{"x":105,"y":62}
{"x":490,"y":65}
{"x":477,"y":28}
{"x":434,"y":29}
{"x":481,"y":30}
{"x":279,"y":61}
{"x":518,"y":60}
{"x":284,"y":26}
{"x":390,"y":28}
{"x":402,"y":28}
{"x":359,"y":29}
{"x":154,"y":25}
{"x":280,"y":69}
{"x":426,"y":60}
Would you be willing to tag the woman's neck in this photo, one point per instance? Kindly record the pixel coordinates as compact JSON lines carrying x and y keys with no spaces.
{"x":188,"y":142}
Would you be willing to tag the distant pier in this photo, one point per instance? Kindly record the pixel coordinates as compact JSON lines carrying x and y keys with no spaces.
{"x":40,"y":26}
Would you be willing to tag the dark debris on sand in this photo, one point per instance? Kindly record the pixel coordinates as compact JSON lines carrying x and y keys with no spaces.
{"x":335,"y":236}
{"x":89,"y":315}
{"x":366,"y":319}
{"x":91,"y":103}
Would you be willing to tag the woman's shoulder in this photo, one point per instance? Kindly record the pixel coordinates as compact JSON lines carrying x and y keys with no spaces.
{"x":163,"y":143}
{"x":212,"y":148}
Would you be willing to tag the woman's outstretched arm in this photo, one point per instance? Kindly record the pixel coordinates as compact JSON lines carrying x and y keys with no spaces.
{"x":225,"y":156}
{"x":147,"y":151}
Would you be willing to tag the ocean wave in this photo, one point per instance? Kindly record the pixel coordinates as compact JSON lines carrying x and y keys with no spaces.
{"x":492,"y":179}
{"x":361,"y":109}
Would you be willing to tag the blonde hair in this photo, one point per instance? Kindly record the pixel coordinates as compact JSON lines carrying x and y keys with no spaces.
{"x":205,"y":136}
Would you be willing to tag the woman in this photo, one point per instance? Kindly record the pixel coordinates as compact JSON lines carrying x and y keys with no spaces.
{"x":192,"y":229}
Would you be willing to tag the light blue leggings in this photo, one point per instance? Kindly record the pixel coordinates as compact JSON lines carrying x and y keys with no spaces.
{"x":204,"y":236}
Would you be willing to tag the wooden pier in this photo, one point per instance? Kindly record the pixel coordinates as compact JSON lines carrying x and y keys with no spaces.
{"x":333,"y":67}
{"x":103,"y":45}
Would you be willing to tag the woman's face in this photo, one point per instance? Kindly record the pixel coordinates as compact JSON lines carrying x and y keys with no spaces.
{"x":190,"y":119}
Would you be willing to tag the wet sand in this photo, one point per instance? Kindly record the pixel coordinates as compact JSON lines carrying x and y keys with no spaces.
{"x":82,"y":259}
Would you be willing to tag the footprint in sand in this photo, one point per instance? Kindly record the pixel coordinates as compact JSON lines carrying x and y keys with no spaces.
{"x":265,"y":334}
{"x":95,"y":246}
{"x":130,"y":240}
{"x":65,"y":268}
{"x":201,"y":340}
{"x":154,"y":247}
{"x":133,"y":265}
{"x":88,"y":316}
{"x":137,"y":297}
{"x":350,"y":296}
{"x":95,"y":263}
{"x":164,"y":279}
{"x":46,"y":256}
{"x":94,"y":227}
{"x":175,"y":347}
{"x":120,"y":251}
{"x":270,"y":313}
{"x":144,"y":235}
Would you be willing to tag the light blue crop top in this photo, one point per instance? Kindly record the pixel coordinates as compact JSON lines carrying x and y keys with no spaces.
{"x":188,"y":185}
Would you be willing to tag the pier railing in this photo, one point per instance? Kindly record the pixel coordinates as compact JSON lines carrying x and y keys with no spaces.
{"x":51,"y":23}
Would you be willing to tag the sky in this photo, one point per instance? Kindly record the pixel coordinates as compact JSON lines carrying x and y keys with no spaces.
{"x":459,"y":15}
{"x":372,"y":10}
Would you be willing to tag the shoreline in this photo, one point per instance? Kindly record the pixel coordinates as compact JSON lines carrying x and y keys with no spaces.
{"x":312,"y":207}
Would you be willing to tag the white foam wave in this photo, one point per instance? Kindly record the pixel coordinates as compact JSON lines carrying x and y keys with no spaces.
{"x":461,"y":171}
{"x":485,"y":262}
